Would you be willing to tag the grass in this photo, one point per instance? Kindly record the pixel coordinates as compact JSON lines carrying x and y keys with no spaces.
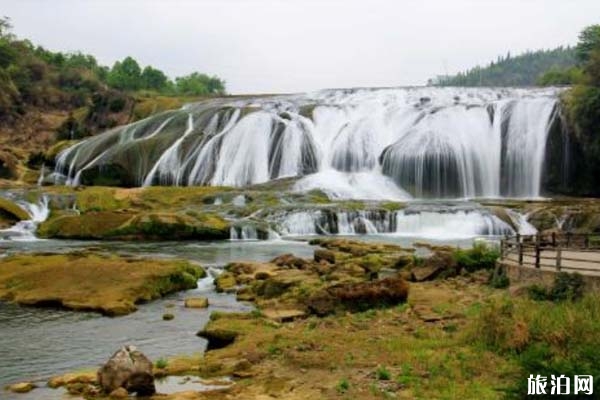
{"x":96,"y":282}
{"x":542,"y":337}
{"x":409,"y":358}
{"x":161,"y":363}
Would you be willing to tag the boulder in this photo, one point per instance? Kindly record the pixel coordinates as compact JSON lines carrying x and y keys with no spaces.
{"x":359,"y":296}
{"x":325,"y":255}
{"x":21,"y":387}
{"x":196,"y":302}
{"x":225,"y":282}
{"x":290,"y":261}
{"x":119,"y":393}
{"x":168,"y":317}
{"x":128,"y":369}
{"x":217,"y":338}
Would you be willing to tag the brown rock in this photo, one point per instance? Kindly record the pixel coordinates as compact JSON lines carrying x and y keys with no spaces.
{"x":287,"y":315}
{"x":217,"y":338}
{"x":325,"y":255}
{"x":196,"y":302}
{"x":21,"y":387}
{"x":128,"y":369}
{"x":290,"y":260}
{"x":119,"y":393}
{"x":359,"y":296}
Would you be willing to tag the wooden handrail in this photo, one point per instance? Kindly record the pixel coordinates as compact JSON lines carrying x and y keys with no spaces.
{"x":534,"y":246}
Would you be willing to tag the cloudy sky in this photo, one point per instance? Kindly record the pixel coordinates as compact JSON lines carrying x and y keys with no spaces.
{"x":268,"y":46}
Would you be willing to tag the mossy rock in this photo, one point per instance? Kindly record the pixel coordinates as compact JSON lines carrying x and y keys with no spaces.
{"x":217,"y":338}
{"x":12,"y":211}
{"x":225,"y":282}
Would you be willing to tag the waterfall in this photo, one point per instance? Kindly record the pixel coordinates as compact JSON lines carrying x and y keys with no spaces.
{"x":396,"y":144}
{"x":25,"y":230}
{"x":418,"y":220}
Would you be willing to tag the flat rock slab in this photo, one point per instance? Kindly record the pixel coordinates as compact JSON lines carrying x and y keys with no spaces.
{"x":283,"y":315}
{"x":196,"y":302}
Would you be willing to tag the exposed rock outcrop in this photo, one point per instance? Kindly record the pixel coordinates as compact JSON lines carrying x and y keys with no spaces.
{"x":129,"y":369}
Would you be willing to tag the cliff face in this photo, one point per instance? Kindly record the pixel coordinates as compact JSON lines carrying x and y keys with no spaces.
{"x":572,"y":165}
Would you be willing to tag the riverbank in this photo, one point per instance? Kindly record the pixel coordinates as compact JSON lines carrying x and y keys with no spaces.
{"x":88,"y":281}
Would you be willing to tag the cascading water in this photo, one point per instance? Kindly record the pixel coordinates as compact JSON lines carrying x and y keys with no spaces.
{"x":25,"y":230}
{"x":417,"y":220}
{"x":365,"y":144}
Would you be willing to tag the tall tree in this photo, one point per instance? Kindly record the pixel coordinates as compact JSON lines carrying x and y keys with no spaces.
{"x":125,"y":75}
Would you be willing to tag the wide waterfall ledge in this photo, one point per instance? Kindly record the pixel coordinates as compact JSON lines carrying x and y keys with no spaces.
{"x":391,"y":144}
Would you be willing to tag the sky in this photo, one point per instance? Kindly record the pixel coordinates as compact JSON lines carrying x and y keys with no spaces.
{"x":284,"y":46}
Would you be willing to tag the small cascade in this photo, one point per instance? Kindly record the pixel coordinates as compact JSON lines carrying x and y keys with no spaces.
{"x":25,"y":230}
{"x":246,"y":232}
{"x":425,"y":221}
{"x":521,"y":222}
{"x":40,"y":180}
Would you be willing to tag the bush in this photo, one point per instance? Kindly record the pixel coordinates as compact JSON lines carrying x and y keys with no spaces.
{"x":382,"y":374}
{"x":161,"y":363}
{"x":343,"y":386}
{"x":476,"y":258}
{"x":498,"y":278}
{"x":566,"y":287}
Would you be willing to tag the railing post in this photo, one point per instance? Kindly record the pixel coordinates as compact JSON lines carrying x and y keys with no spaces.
{"x":520,"y":247}
{"x":502,"y":249}
{"x":558,"y":258}
{"x":537,"y":255}
{"x":553,"y":239}
{"x":568,"y":239}
{"x":586,"y":240}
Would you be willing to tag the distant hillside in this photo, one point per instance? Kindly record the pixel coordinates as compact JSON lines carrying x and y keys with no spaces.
{"x":522,"y":70}
{"x":48,"y":96}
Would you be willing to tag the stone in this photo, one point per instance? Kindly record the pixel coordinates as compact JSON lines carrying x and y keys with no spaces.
{"x":119,"y":393}
{"x":324,"y":255}
{"x":217,"y":338}
{"x":225,"y":282}
{"x":129,"y":369}
{"x":21,"y":387}
{"x":291,"y":261}
{"x":287,"y":315}
{"x":196,"y":302}
{"x":168,"y":317}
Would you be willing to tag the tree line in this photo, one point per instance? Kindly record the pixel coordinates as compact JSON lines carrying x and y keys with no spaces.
{"x":522,"y":70}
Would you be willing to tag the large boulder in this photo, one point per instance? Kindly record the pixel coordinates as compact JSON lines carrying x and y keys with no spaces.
{"x":128,"y":369}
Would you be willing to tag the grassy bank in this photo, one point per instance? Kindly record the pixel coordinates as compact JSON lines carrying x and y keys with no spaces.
{"x":110,"y":285}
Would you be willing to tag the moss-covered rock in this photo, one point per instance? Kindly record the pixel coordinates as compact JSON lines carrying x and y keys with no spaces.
{"x":96,"y":282}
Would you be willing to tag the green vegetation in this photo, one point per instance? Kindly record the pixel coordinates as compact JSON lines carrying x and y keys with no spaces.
{"x":566,"y":287}
{"x":581,"y":107}
{"x":480,"y":256}
{"x":543,"y":338}
{"x":522,"y":70}
{"x":382,"y":374}
{"x":161,"y":363}
{"x":48,"y":97}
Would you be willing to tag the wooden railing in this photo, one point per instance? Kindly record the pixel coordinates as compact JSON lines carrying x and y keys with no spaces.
{"x":566,"y":251}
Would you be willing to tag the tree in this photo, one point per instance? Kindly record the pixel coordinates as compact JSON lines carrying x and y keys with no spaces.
{"x":125,"y":75}
{"x":153,"y":78}
{"x":196,"y":84}
{"x":589,"y":39}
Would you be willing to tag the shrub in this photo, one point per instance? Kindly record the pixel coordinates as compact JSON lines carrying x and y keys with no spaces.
{"x":382,"y":374}
{"x":161,"y":363}
{"x":498,"y":278}
{"x":566,"y":287}
{"x":478,"y":257}
{"x":343,"y":385}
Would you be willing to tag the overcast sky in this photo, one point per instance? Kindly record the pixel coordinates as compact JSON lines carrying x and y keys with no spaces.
{"x":268,"y":46}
